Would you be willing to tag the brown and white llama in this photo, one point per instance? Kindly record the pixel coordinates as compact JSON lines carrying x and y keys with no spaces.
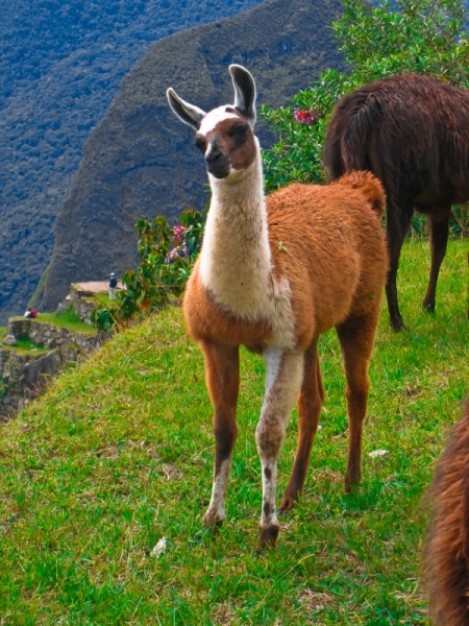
{"x":273,"y":275}
{"x":447,"y":557}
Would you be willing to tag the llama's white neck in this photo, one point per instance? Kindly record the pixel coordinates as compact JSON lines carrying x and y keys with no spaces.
{"x":235,"y":261}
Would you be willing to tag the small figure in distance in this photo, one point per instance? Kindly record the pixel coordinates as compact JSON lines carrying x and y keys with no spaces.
{"x":112,"y":286}
{"x":30,"y":313}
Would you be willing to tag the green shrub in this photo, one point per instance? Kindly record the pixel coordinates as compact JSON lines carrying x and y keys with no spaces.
{"x":166,"y":255}
{"x":418,"y":36}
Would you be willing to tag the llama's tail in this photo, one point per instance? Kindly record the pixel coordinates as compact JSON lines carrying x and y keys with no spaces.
{"x":370,"y":187}
{"x":348,"y":136}
{"x":447,"y":558}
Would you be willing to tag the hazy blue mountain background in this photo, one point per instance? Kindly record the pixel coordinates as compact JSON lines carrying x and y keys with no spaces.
{"x":62,"y":64}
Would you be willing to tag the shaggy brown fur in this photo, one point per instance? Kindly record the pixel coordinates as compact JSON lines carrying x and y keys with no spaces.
{"x":447,"y":557}
{"x":412,"y":132}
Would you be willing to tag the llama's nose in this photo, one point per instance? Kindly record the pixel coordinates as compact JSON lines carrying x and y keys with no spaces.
{"x":213,"y":154}
{"x":217,"y":163}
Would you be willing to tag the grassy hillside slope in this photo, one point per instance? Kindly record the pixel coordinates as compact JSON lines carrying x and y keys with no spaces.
{"x":118,"y":455}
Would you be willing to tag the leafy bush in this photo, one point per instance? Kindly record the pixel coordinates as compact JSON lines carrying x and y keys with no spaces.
{"x":392,"y":37}
{"x":166,"y":255}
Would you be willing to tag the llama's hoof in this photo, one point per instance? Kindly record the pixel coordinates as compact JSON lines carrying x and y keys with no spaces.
{"x":352,"y":480}
{"x":351,"y":484}
{"x":267,"y":537}
{"x":429,"y":307}
{"x":287,"y":504}
{"x":398,"y":325}
{"x":213,"y":519}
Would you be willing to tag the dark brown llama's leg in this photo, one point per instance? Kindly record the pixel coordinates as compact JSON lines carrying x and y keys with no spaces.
{"x":398,"y":223}
{"x":356,"y":336}
{"x":438,"y":223}
{"x":309,"y":407}
{"x":222,"y":377}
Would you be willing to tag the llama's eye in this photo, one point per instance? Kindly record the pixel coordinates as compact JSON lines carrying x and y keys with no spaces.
{"x":238,"y":131}
{"x":200,"y":143}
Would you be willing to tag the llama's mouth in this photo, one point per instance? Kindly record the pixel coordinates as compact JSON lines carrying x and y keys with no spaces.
{"x":219,"y":170}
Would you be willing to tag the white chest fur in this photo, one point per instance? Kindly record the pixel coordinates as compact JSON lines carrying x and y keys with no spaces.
{"x":236,"y":261}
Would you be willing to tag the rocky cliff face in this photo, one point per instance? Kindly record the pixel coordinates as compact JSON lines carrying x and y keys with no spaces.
{"x":137,"y":162}
{"x":61,"y":63}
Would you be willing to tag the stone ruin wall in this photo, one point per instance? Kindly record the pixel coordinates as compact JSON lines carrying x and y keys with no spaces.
{"x":25,"y":376}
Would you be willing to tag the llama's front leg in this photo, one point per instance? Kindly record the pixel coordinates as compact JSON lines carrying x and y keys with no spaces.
{"x":284,"y":377}
{"x":222,"y":377}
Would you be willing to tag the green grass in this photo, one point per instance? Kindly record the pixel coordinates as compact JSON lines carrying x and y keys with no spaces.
{"x":25,"y":346}
{"x":21,"y":346}
{"x":66,"y":319}
{"x":119,"y":453}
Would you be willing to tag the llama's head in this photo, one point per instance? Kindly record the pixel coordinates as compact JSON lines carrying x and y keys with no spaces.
{"x":224,"y":135}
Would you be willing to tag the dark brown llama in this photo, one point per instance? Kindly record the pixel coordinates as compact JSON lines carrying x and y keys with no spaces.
{"x":412,"y":132}
{"x":447,"y":557}
{"x":273,"y":275}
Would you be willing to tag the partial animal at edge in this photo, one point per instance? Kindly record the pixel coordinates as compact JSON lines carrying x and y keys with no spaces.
{"x":447,"y":548}
{"x":412,"y":132}
{"x":274,"y":273}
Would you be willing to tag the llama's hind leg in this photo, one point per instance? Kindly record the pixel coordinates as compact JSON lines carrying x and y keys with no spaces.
{"x":309,"y":407}
{"x":438,"y":222}
{"x":356,"y":336}
{"x":399,"y":217}
{"x":284,"y":378}
{"x":222,"y":377}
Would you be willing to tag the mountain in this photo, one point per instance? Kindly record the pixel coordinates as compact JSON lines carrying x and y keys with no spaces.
{"x":137,"y":161}
{"x":61,"y":63}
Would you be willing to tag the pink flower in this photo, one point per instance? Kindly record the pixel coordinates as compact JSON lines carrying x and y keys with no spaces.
{"x":178,"y":232}
{"x":305,"y":116}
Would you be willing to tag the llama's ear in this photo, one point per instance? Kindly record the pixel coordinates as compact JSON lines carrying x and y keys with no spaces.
{"x":187,"y":113}
{"x":245,"y":92}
